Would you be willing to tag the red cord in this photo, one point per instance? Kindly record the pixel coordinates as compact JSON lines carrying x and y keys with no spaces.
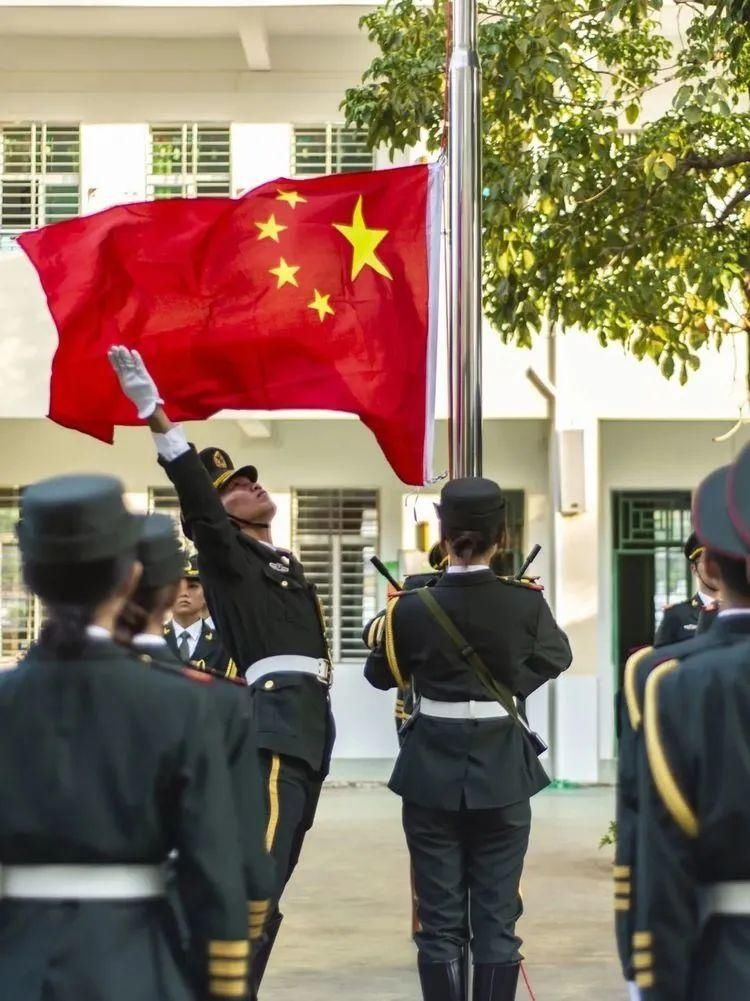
{"x":528,"y":985}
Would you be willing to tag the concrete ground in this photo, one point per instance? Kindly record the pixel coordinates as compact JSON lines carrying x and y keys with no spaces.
{"x":346,"y":936}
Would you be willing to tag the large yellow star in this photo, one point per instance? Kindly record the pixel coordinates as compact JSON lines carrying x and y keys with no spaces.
{"x":365,"y":242}
{"x":291,"y":197}
{"x":285,"y":273}
{"x":270,"y":229}
{"x":322,"y":305}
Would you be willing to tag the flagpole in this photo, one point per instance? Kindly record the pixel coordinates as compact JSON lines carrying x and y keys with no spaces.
{"x":465,"y":243}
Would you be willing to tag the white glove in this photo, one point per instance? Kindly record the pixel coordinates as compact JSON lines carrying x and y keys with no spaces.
{"x":135,"y":381}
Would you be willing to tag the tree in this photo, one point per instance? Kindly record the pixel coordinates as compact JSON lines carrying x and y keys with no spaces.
{"x":597,"y":212}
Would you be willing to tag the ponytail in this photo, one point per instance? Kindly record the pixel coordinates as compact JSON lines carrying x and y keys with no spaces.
{"x":468,"y":544}
{"x":64,"y":630}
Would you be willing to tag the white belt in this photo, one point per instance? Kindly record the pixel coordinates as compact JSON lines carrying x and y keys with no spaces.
{"x":289,"y":664}
{"x":81,"y":882}
{"x":732,"y":898}
{"x":461,"y":710}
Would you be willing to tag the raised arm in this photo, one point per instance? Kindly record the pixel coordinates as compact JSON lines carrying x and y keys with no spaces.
{"x":205,"y":519}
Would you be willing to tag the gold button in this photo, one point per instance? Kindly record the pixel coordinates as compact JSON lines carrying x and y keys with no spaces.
{"x":285,"y":583}
{"x":269,"y":684}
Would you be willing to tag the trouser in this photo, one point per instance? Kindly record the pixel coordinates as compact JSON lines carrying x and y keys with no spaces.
{"x":467,"y":869}
{"x":292,"y":794}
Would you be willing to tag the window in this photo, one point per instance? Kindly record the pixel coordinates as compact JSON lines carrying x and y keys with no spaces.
{"x":20,"y":612}
{"x":330,"y":149}
{"x":40,"y":179}
{"x":163,"y":500}
{"x":335,"y":532}
{"x":189,"y":161}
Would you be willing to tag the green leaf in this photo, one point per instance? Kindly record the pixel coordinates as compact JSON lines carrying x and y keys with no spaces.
{"x":631,"y":113}
{"x":682,"y":97}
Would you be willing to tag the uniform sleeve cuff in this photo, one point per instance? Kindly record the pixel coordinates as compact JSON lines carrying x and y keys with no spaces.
{"x":171,"y":445}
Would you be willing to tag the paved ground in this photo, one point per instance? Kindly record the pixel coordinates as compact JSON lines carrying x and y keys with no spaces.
{"x":346,"y":935}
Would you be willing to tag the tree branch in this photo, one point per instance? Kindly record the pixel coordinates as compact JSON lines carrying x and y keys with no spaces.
{"x":694,"y":162}
{"x":732,"y":205}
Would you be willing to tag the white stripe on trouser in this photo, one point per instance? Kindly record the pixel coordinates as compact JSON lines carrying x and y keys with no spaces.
{"x":634,"y":993}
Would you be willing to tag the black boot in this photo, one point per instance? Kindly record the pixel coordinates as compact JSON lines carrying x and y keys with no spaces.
{"x":261,"y":954}
{"x":442,"y":981}
{"x":495,"y":982}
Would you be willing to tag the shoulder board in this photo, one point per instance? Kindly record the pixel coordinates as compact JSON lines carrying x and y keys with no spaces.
{"x":530,"y":585}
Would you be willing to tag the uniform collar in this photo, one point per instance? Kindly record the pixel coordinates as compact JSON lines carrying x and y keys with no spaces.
{"x":471,"y":568}
{"x":482,"y":576}
{"x":194,"y":630}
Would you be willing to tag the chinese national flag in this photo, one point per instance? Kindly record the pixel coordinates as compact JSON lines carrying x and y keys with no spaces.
{"x":316,"y":294}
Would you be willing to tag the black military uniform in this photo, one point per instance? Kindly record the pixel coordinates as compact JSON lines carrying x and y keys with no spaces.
{"x":637,"y":672}
{"x":266,"y":612}
{"x":466,"y":770}
{"x":162,"y":559}
{"x":209,"y":653}
{"x":692,"y":937}
{"x":100,"y":782}
{"x":680,"y":621}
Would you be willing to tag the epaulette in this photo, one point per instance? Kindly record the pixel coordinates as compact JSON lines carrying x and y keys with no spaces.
{"x":630,"y":686}
{"x":375,"y":631}
{"x":527,"y":582}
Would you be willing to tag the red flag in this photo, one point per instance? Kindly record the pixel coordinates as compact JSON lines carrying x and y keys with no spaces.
{"x":315,"y":294}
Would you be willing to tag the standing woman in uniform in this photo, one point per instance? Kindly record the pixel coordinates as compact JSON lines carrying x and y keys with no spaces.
{"x":105,"y":769}
{"x":467,"y":767}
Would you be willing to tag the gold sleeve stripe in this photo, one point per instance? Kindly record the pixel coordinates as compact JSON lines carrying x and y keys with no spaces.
{"x":273,"y":802}
{"x":645,"y":980}
{"x":390,"y":644}
{"x":229,"y":949}
{"x":642,"y":940}
{"x":231,"y":669}
{"x":622,"y":903}
{"x":227,"y":967}
{"x":672,"y":797}
{"x":258,"y":906}
{"x":643,"y":960}
{"x":621,"y":871}
{"x":228,"y":988}
{"x":622,"y":889}
{"x":629,"y":684}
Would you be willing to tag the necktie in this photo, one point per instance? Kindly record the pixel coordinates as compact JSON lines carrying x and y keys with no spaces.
{"x":184,"y":646}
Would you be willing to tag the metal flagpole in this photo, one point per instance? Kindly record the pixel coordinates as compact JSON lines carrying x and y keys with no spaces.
{"x":465,"y":243}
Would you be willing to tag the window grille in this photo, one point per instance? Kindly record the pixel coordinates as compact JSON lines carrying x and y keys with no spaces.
{"x":40,"y":177}
{"x":335,"y":532}
{"x":330,"y":149}
{"x":20,"y":612}
{"x":189,"y":160}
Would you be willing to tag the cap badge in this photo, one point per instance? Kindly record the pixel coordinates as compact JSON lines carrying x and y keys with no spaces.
{"x":219,"y":461}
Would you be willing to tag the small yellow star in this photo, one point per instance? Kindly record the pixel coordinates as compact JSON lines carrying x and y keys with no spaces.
{"x":292,"y":197}
{"x":321,"y":305}
{"x":270,"y":229}
{"x":285,"y":273}
{"x":365,"y":242}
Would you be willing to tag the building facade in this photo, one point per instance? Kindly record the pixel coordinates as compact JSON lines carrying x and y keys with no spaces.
{"x":103,"y":104}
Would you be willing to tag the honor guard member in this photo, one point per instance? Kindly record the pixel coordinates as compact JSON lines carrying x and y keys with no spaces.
{"x":268,"y":616}
{"x":692,"y":937}
{"x":105,"y":769}
{"x":163,"y":562}
{"x":468,"y":766}
{"x":637,"y":672}
{"x":189,"y":636}
{"x":680,"y":621}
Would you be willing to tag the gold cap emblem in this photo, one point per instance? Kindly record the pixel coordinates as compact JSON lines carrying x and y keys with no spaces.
{"x":219,"y":461}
